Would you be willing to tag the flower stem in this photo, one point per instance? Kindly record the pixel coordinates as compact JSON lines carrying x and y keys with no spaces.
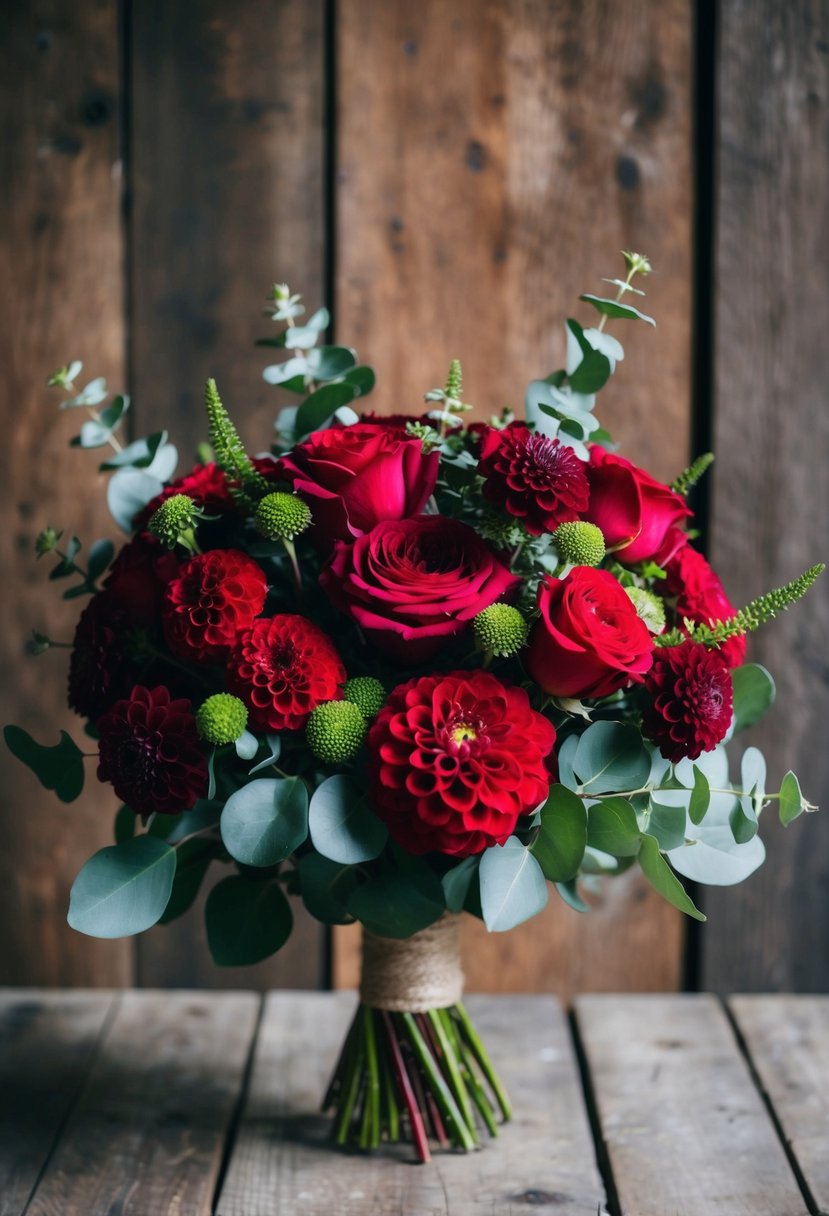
{"x":479,"y":1052}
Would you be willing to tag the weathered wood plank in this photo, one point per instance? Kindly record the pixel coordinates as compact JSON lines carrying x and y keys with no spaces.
{"x":148,"y":1132}
{"x":283,"y":1163}
{"x":788,"y":1041}
{"x":60,"y":265}
{"x":684,"y":1126}
{"x":227,"y":169}
{"x":515,"y":148}
{"x":771,"y":479}
{"x":47,"y":1041}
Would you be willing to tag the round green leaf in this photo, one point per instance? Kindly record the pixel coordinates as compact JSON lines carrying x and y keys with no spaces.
{"x":343,"y":826}
{"x":612,"y":828}
{"x":326,"y":886}
{"x":611,"y":757}
{"x":754,"y":692}
{"x":512,"y":885}
{"x":263,"y":822}
{"x":247,"y":921}
{"x":193,"y":858}
{"x":562,"y":838}
{"x":396,"y":905}
{"x":457,"y":881}
{"x":318,"y":408}
{"x":123,"y":889}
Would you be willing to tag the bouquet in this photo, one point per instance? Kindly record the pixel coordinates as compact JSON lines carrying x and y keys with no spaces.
{"x":403,"y":667}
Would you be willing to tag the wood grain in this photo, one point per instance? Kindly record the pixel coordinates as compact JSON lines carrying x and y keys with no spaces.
{"x":282,"y":1161}
{"x":47,"y":1041}
{"x":228,"y":158}
{"x":148,"y":1132}
{"x":684,"y":1127}
{"x":515,"y":148}
{"x":787,"y":1038}
{"x":771,"y":433}
{"x":61,"y":266}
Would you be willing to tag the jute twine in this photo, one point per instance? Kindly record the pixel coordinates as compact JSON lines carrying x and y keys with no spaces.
{"x":415,"y":974}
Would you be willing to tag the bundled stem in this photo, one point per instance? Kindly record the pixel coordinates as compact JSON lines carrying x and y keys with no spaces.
{"x":401,"y":1076}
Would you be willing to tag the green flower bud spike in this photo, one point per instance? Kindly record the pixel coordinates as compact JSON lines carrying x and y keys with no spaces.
{"x":649,"y":608}
{"x":579,"y":543}
{"x":244,"y":482}
{"x":500,"y":630}
{"x":221,"y":719}
{"x":687,"y":480}
{"x":174,"y":522}
{"x":366,"y":693}
{"x":281,"y":516}
{"x":46,"y":541}
{"x":335,"y":731}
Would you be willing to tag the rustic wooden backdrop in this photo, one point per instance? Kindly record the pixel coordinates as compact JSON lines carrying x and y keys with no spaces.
{"x":448,"y":177}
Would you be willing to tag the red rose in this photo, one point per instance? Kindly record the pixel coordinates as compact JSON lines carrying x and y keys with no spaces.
{"x":413,"y":583}
{"x":639,"y":516}
{"x":589,"y":641}
{"x":700,"y":597}
{"x":353,"y":477}
{"x":216,"y":597}
{"x":282,"y":668}
{"x":149,"y":751}
{"x":691,"y":701}
{"x":539,"y":480}
{"x":138,"y":577}
{"x":455,"y":760}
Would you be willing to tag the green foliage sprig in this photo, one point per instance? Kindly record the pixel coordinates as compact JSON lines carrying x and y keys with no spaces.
{"x":755,"y":614}
{"x":689,"y":478}
{"x":244,"y":482}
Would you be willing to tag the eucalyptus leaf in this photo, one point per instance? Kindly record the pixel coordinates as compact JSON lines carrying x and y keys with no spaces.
{"x":273,"y":743}
{"x":137,"y":455}
{"x":128,"y":492}
{"x":100,"y":555}
{"x":204,"y":814}
{"x":361,"y":378}
{"x":247,"y":921}
{"x":754,"y":692}
{"x":394,"y":904}
{"x":328,"y":362}
{"x":193,"y":859}
{"x":566,"y":755}
{"x":613,"y":308}
{"x":562,"y":837}
{"x":594,"y":370}
{"x":700,"y":797}
{"x":570,"y":894}
{"x":662,"y":878}
{"x":318,"y":408}
{"x":667,"y":824}
{"x":613,"y":828}
{"x":456,"y":882}
{"x":264,"y":821}
{"x":247,"y":745}
{"x":326,"y":886}
{"x":125,"y":821}
{"x":743,"y":826}
{"x":123,"y":889}
{"x":342,"y":824}
{"x":512,"y":883}
{"x":58,"y":768}
{"x":791,"y":799}
{"x":611,"y":757}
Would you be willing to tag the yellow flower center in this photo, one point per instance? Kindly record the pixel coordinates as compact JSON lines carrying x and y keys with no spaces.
{"x":464,"y":733}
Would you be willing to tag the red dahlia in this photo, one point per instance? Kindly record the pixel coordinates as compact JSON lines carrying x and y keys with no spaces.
{"x":691,"y":704}
{"x":150,"y":753}
{"x":700,"y":597}
{"x":216,"y":597}
{"x":282,"y":668}
{"x":455,"y":760}
{"x":539,"y":480}
{"x":100,"y":670}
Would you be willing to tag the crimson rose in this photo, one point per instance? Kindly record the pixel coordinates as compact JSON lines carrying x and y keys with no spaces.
{"x":352,"y":477}
{"x":589,"y":641}
{"x":413,"y":583}
{"x":638,"y":515}
{"x":455,"y":760}
{"x":700,"y":597}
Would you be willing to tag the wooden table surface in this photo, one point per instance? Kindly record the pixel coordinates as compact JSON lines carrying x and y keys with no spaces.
{"x":192,"y":1103}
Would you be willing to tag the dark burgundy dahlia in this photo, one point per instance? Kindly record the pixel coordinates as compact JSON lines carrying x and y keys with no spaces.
{"x":691,"y":700}
{"x":539,"y":480}
{"x":149,"y":751}
{"x":455,"y":760}
{"x":100,"y":668}
{"x":283,"y":668}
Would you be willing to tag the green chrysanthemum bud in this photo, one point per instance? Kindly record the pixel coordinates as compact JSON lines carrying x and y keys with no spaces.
{"x":46,"y":541}
{"x":649,"y":608}
{"x":335,"y":731}
{"x":173,"y":521}
{"x":579,"y":543}
{"x":281,"y":516}
{"x":500,"y":630}
{"x":366,"y":693}
{"x":221,"y":719}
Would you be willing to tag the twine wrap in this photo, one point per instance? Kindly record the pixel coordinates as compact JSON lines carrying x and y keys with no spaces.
{"x":414,"y":974}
